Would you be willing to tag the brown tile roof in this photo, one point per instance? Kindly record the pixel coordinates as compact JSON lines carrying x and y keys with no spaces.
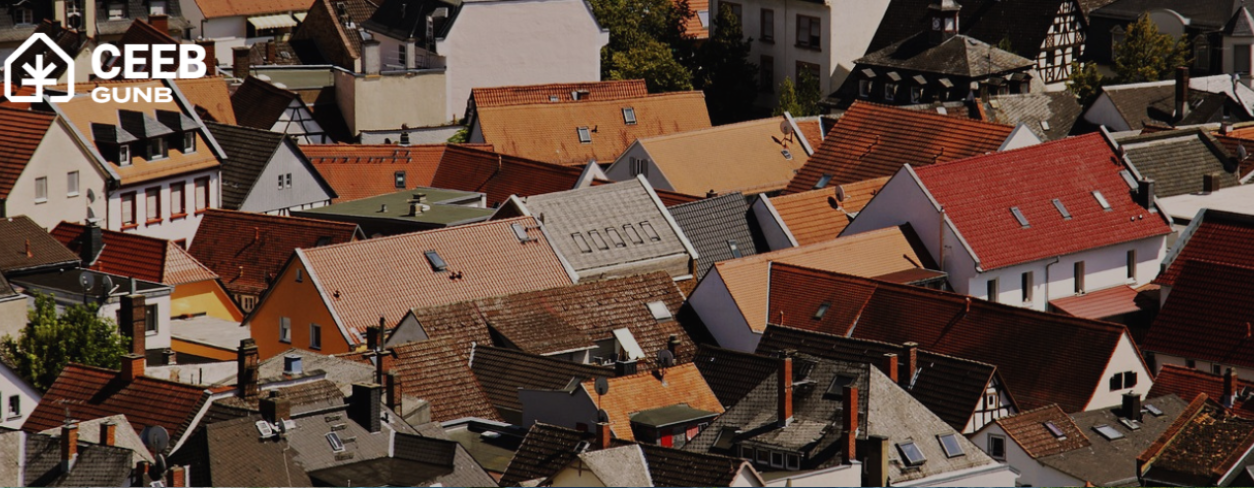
{"x":89,"y":392}
{"x":1188,"y":383}
{"x":596,"y":91}
{"x":1217,"y":237}
{"x":137,"y":256}
{"x":681,"y":384}
{"x":365,"y":170}
{"x":502,"y":372}
{"x":20,"y":133}
{"x":1199,"y":448}
{"x":1206,"y":315}
{"x":212,"y":9}
{"x":1100,"y":304}
{"x":16,"y":233}
{"x":821,"y":215}
{"x":211,"y":97}
{"x":499,"y":176}
{"x":248,"y":249}
{"x":812,"y":129}
{"x":871,"y":254}
{"x":873,"y":141}
{"x":1028,"y":430}
{"x":548,"y":132}
{"x":436,"y":370}
{"x":746,"y":157}
{"x":488,"y":259}
{"x":668,"y":198}
{"x":259,"y":104}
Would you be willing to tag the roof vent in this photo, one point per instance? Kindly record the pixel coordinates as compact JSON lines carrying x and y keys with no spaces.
{"x":520,"y":233}
{"x":787,"y":154}
{"x":292,"y":365}
{"x":1023,"y":221}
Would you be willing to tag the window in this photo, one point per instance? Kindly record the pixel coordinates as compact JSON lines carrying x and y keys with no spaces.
{"x":1110,"y":433}
{"x":337,"y":445}
{"x":864,"y":88}
{"x":746,"y":452}
{"x":735,"y":250}
{"x":124,"y":155}
{"x":1241,"y":58}
{"x":152,"y":207}
{"x":992,"y":290}
{"x":807,"y":73}
{"x":285,"y":330}
{"x":764,"y":456}
{"x":598,"y":240}
{"x":1153,"y":410}
{"x":659,"y":311}
{"x":639,"y":166}
{"x":777,"y":459}
{"x":128,"y":209}
{"x":768,"y":25}
{"x":189,"y":142}
{"x":150,"y":319}
{"x":1131,"y":264}
{"x":117,"y":11}
{"x":400,"y":54}
{"x":300,"y":275}
{"x":629,"y":116}
{"x":1023,"y":221}
{"x":15,"y":406}
{"x":178,"y":202}
{"x":997,"y":446}
{"x":202,"y":193}
{"x":890,"y":91}
{"x":288,"y":182}
{"x":400,"y":179}
{"x":585,"y":136}
{"x":437,"y":262}
{"x":1129,"y":379}
{"x":990,"y":401}
{"x":280,"y":182}
{"x":1079,"y":277}
{"x":809,"y":32}
{"x":633,"y":234}
{"x":1201,"y":53}
{"x":615,"y":237}
{"x":1116,"y":382}
{"x":1191,"y":364}
{"x":24,"y":16}
{"x":41,"y":189}
{"x":71,"y":184}
{"x":648,"y":230}
{"x":794,"y":462}
{"x":911,"y":454}
{"x":1062,"y":209}
{"x":766,"y":74}
{"x":315,"y":336}
{"x":1027,"y":282}
{"x":582,"y":242}
{"x":916,"y":94}
{"x":949,"y":442}
{"x":823,"y":308}
{"x":157,"y":149}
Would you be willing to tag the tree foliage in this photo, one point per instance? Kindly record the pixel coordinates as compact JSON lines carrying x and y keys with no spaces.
{"x":1148,"y":55}
{"x":1085,"y":82}
{"x":724,"y":72}
{"x":800,"y":99}
{"x":50,"y":341}
{"x":647,"y":41}
{"x":652,"y":61}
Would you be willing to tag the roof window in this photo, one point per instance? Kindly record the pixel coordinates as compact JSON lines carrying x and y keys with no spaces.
{"x":1153,"y":410}
{"x":827,"y":178}
{"x":520,"y":232}
{"x":1023,"y":221}
{"x":615,"y":237}
{"x":1062,"y":209}
{"x":648,"y":230}
{"x":629,"y":116}
{"x":265,"y":429}
{"x":336,"y":444}
{"x":949,"y":442}
{"x":1045,"y":125}
{"x":585,"y":136}
{"x":837,"y":388}
{"x":818,"y":315}
{"x":437,"y":262}
{"x":400,"y":179}
{"x":1110,"y":433}
{"x":1128,"y":178}
{"x":633,"y":234}
{"x":735,"y":250}
{"x":659,"y":310}
{"x":1055,"y":430}
{"x":598,"y":240}
{"x":1130,"y":424}
{"x":911,"y":453}
{"x":582,"y":242}
{"x":1101,"y":200}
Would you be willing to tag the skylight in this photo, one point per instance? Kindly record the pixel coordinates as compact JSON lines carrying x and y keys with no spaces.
{"x":1155,"y":411}
{"x":585,"y":136}
{"x":837,"y":388}
{"x":818,"y":315}
{"x":1130,"y":424}
{"x":827,"y":178}
{"x":336,"y":444}
{"x":1101,"y":200}
{"x":659,"y":310}
{"x":437,"y":262}
{"x":519,"y":232}
{"x":735,"y":250}
{"x":1062,"y":209}
{"x":633,"y":234}
{"x":648,"y":230}
{"x":629,"y":116}
{"x":949,"y":442}
{"x":615,"y":237}
{"x":581,"y":241}
{"x":1055,"y":430}
{"x":787,"y":154}
{"x":911,"y":453}
{"x":1110,"y":433}
{"x":1045,"y":125}
{"x":598,"y":240}
{"x":1023,"y":221}
{"x":1128,"y":178}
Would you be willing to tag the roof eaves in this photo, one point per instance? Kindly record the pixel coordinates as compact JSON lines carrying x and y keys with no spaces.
{"x":84,"y":143}
{"x":770,"y":207}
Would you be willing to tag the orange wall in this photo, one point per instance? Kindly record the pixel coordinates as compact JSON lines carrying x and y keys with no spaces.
{"x":204,"y":296}
{"x":301,"y":303}
{"x":194,"y":349}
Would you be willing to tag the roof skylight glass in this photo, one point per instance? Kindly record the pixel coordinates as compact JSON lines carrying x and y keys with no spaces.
{"x":911,"y":453}
{"x":1101,"y":200}
{"x":818,"y":315}
{"x":336,"y":444}
{"x":1155,"y":411}
{"x":1062,"y":209}
{"x":949,"y":442}
{"x":437,"y":262}
{"x":823,"y":181}
{"x":1023,"y":221}
{"x":1110,"y":433}
{"x":1055,"y":430}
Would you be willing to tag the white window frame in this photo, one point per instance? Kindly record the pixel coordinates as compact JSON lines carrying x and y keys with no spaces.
{"x":158,"y":149}
{"x":124,"y":155}
{"x":119,"y":8}
{"x":991,"y":451}
{"x":71,"y":184}
{"x":189,"y":142}
{"x":315,"y":336}
{"x":25,"y":16}
{"x":41,"y":189}
{"x":285,"y":330}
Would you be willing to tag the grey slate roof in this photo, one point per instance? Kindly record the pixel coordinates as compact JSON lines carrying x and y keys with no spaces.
{"x":958,"y":56}
{"x":418,"y":461}
{"x":466,"y":472}
{"x":546,"y":450}
{"x":502,"y":372}
{"x":1113,"y":463}
{"x":674,"y":467}
{"x":142,"y":125}
{"x":1178,"y":160}
{"x":342,"y":372}
{"x":1150,"y":102}
{"x":732,"y":374}
{"x":1024,"y":23}
{"x":1059,"y":110}
{"x":248,"y":152}
{"x":711,"y":223}
{"x":237,"y":456}
{"x":96,"y":465}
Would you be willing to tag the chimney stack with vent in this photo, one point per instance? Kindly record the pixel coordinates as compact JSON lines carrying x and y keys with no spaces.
{"x":69,"y":446}
{"x":910,"y":361}
{"x":888,"y":364}
{"x":1211,"y":182}
{"x":783,"y":379}
{"x":275,"y":407}
{"x":92,"y":243}
{"x":672,"y":345}
{"x":160,"y":22}
{"x":370,"y":61}
{"x":1145,"y":193}
{"x":625,"y":368}
{"x":108,"y":433}
{"x":1132,"y":406}
{"x":366,"y":405}
{"x":603,"y":435}
{"x":132,"y":315}
{"x":247,"y":375}
{"x":169,"y":357}
{"x":1182,"y":93}
{"x":240,"y":67}
{"x":849,"y":426}
{"x":1230,"y":388}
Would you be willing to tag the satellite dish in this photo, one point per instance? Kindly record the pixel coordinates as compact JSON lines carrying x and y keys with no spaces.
{"x":785,"y":127}
{"x":157,"y":471}
{"x":86,"y":279}
{"x":107,"y":287}
{"x":91,"y":195}
{"x":602,"y":386}
{"x":602,"y":417}
{"x":155,"y":437}
{"x":665,"y":358}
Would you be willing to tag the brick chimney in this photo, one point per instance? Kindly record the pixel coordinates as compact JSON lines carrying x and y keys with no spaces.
{"x":910,"y":361}
{"x":888,"y":364}
{"x":849,"y":424}
{"x":275,"y":407}
{"x":169,"y":357}
{"x":365,"y":406}
{"x":108,"y":433}
{"x":211,"y":55}
{"x":1145,"y":193}
{"x":1230,"y":388}
{"x":783,"y":378}
{"x":69,"y":446}
{"x":1182,"y":94}
{"x":603,"y":435}
{"x":160,"y":22}
{"x":133,"y":366}
{"x":395,"y":395}
{"x":176,"y":477}
{"x":92,"y":243}
{"x":248,"y":373}
{"x":1211,"y":182}
{"x":241,"y":57}
{"x":272,"y":52}
{"x":132,"y":318}
{"x":875,"y":465}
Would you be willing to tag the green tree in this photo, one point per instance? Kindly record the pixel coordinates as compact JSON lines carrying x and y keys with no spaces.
{"x":800,"y":99}
{"x":724,"y":72}
{"x":655,"y":63}
{"x":788,"y":98}
{"x":1148,"y":55}
{"x":461,"y":136}
{"x":1085,"y":82}
{"x":50,"y":341}
{"x":647,"y":40}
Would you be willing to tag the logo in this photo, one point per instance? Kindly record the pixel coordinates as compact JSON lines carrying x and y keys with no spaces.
{"x":141,"y":62}
{"x":40,"y":72}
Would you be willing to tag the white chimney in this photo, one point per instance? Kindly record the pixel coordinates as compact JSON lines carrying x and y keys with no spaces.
{"x":370,"y":60}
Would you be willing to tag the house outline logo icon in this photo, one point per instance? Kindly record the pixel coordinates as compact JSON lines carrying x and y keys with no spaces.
{"x":39,"y":73}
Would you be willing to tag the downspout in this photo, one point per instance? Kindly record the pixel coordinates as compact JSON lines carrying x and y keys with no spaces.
{"x":940,"y":231}
{"x":1056,"y":260}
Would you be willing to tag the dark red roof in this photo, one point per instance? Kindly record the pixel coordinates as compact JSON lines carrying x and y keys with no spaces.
{"x":1097,"y":305}
{"x":20,"y":133}
{"x":873,"y":141}
{"x":89,"y":393}
{"x":500,"y":176}
{"x":1008,"y":337}
{"x":1217,"y":237}
{"x":247,"y":249}
{"x":1187,"y":383}
{"x":978,"y":194}
{"x":1207,"y":315}
{"x":128,"y":254}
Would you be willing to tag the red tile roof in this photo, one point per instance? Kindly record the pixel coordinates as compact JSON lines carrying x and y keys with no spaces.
{"x":1006,"y":336}
{"x":1188,"y":383}
{"x":692,"y":26}
{"x":1028,"y":430}
{"x":20,"y":133}
{"x":873,"y":141}
{"x":230,"y":8}
{"x":820,"y":215}
{"x":88,"y":393}
{"x":499,"y":176}
{"x":1099,"y":304}
{"x":1217,"y":237}
{"x":1207,"y":315}
{"x":978,"y":194}
{"x":437,"y":370}
{"x":141,"y":257}
{"x":503,"y":96}
{"x":367,"y":170}
{"x":248,"y":249}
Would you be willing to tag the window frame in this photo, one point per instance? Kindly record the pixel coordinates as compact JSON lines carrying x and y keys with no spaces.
{"x":121,"y":9}
{"x":152,"y":197}
{"x":1116,"y":382}
{"x":585,"y":135}
{"x":995,"y":441}
{"x":399,"y":178}
{"x":809,"y":32}
{"x":766,"y":74}
{"x":158,"y":149}
{"x":189,"y":142}
{"x":766,"y":25}
{"x":1027,"y":282}
{"x":123,"y":200}
{"x":629,"y":115}
{"x":864,"y":88}
{"x":285,"y":330}
{"x":992,"y":290}
{"x":178,"y":204}
{"x":151,"y":319}
{"x":73,"y":184}
{"x":1078,"y":278}
{"x":196,"y":189}
{"x":41,"y":189}
{"x":1130,"y":263}
{"x":315,"y":336}
{"x":15,"y":406}
{"x":890,"y":91}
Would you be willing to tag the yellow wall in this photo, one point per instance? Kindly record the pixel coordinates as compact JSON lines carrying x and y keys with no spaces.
{"x":300,"y":302}
{"x":201,"y":350}
{"x":206,"y":297}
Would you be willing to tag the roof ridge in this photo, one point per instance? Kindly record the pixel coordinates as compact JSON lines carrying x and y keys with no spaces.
{"x":928,"y":114}
{"x":281,"y":218}
{"x":516,"y":160}
{"x":411,"y":235}
{"x":949,"y":165}
{"x":245,"y":129}
{"x":712,"y":130}
{"x":114,"y":372}
{"x":649,"y":97}
{"x":655,"y":275}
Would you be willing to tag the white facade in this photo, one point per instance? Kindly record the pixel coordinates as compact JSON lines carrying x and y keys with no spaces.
{"x":298,"y":121}
{"x":66,"y":176}
{"x":1125,"y":358}
{"x":713,"y":302}
{"x":301,"y":188}
{"x":991,"y":476}
{"x":774,"y":230}
{"x":17,"y":399}
{"x":842,"y":475}
{"x":167,"y":223}
{"x":993,"y":405}
{"x":1031,"y":472}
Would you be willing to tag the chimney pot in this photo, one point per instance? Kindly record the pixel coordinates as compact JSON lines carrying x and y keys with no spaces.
{"x":247,"y":375}
{"x":603,"y":435}
{"x":1145,"y":193}
{"x":783,"y":379}
{"x":910,"y":360}
{"x":69,"y":445}
{"x":672,"y":344}
{"x":850,"y":424}
{"x":132,"y":367}
{"x":272,"y":52}
{"x":876,"y":463}
{"x":241,"y":58}
{"x":93,"y":242}
{"x":160,"y":22}
{"x":133,"y":315}
{"x":365,"y":406}
{"x":888,"y":364}
{"x":1132,"y":406}
{"x":176,"y":477}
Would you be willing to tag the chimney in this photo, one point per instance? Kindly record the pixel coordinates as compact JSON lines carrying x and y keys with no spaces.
{"x":132,"y":316}
{"x":169,"y":357}
{"x":372,"y":337}
{"x":272,"y":52}
{"x":275,"y":407}
{"x":240,"y":67}
{"x":108,"y":433}
{"x":160,"y":22}
{"x":875,"y":465}
{"x":292,"y":365}
{"x":248,"y":366}
{"x":1132,"y":406}
{"x":394,"y":392}
{"x":365,"y":406}
{"x":783,"y":379}
{"x":176,"y":477}
{"x":909,"y":361}
{"x":850,"y":424}
{"x":625,"y":368}
{"x":211,"y":55}
{"x":1230,"y":388}
{"x":1182,"y":93}
{"x":1211,"y":182}
{"x":132,"y":367}
{"x":603,"y":435}
{"x":93,"y":242}
{"x":888,"y":364}
{"x":672,"y":345}
{"x":370,"y":61}
{"x":1145,"y":193}
{"x":69,"y":446}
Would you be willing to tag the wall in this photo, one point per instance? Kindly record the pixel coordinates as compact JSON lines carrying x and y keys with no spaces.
{"x":621,"y":169}
{"x":306,"y":191}
{"x":57,"y":155}
{"x":577,"y":474}
{"x":415,"y":98}
{"x":983,"y":415}
{"x":843,"y":475}
{"x":321,"y":26}
{"x":13,"y":385}
{"x":301,"y":302}
{"x":996,"y":475}
{"x":1103,"y":112}
{"x":12,"y":315}
{"x":519,"y":42}
{"x":204,"y":297}
{"x":1031,"y":472}
{"x":1124,"y":358}
{"x":406,"y":331}
{"x":774,"y":231}
{"x":170,"y":228}
{"x":1229,"y":53}
{"x":718,"y":311}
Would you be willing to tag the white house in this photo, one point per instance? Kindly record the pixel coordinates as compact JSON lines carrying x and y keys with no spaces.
{"x":266,"y":172}
{"x":235,"y":24}
{"x":1031,"y":226}
{"x":56,"y":178}
{"x":17,"y":398}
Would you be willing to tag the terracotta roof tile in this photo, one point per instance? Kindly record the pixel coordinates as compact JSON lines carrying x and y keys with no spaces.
{"x":1100,"y":304}
{"x":141,"y":257}
{"x":365,"y":170}
{"x":16,"y":233}
{"x":488,"y":256}
{"x":643,"y":391}
{"x":978,"y":194}
{"x":1188,"y":383}
{"x":548,"y":132}
{"x":1029,"y":431}
{"x":873,"y":141}
{"x":747,"y":157}
{"x":212,"y":9}
{"x":211,"y":97}
{"x":692,"y":26}
{"x":499,"y":176}
{"x":20,"y":133}
{"x":436,"y":370}
{"x":596,"y":91}
{"x":820,"y":215}
{"x":248,"y":249}
{"x":1206,"y":315}
{"x":545,"y":450}
{"x":1217,"y":237}
{"x":812,"y":129}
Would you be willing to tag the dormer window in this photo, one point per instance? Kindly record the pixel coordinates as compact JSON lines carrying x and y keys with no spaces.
{"x":24,"y":16}
{"x":124,"y":155}
{"x":117,"y":11}
{"x":189,"y":142}
{"x":156,"y":7}
{"x":158,"y":149}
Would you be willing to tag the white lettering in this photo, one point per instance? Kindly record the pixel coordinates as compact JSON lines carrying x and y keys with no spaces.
{"x":97,"y":61}
{"x":160,"y":61}
{"x":191,"y":66}
{"x":100,"y":94}
{"x":163,"y":95}
{"x":134,"y":62}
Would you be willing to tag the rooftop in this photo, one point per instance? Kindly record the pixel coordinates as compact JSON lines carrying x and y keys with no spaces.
{"x":820,"y":215}
{"x":211,"y":96}
{"x":259,"y":103}
{"x":1106,"y":462}
{"x":1178,"y":161}
{"x":209,"y":331}
{"x":959,"y":56}
{"x":1199,"y":448}
{"x":24,"y":245}
{"x":1188,"y":383}
{"x":248,"y":153}
{"x":629,"y":395}
{"x":1044,"y":431}
{"x":141,"y":257}
{"x":499,"y":176}
{"x":1183,"y":208}
{"x":20,"y":132}
{"x":1205,"y":316}
{"x":718,"y":229}
{"x":444,"y":208}
{"x":502,"y":372}
{"x":365,"y":170}
{"x":1214,"y":236}
{"x":593,"y":91}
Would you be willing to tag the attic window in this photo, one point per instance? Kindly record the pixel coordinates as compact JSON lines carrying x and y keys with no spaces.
{"x":585,"y":137}
{"x":787,"y":154}
{"x":827,"y":178}
{"x":837,"y":388}
{"x":648,"y":230}
{"x":615,"y":237}
{"x":1045,"y":125}
{"x":598,"y":240}
{"x":336,"y":444}
{"x":911,"y":454}
{"x":1062,"y":209}
{"x":818,"y":315}
{"x":437,"y":262}
{"x":400,"y":179}
{"x":633,"y":234}
{"x":1023,"y":221}
{"x":1101,"y":200}
{"x":1110,"y":433}
{"x":949,"y":442}
{"x":735,"y":250}
{"x":1055,"y":430}
{"x":659,"y":310}
{"x":629,"y":116}
{"x":582,"y":242}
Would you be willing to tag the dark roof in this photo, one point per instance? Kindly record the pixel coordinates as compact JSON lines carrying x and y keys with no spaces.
{"x":499,"y":175}
{"x":466,"y":470}
{"x":711,"y":224}
{"x":1113,"y":463}
{"x":958,"y":56}
{"x":97,"y":465}
{"x":248,"y":151}
{"x":1030,"y":431}
{"x":45,"y":251}
{"x":1188,"y":383}
{"x":1201,"y":14}
{"x":259,"y":104}
{"x":1202,"y":445}
{"x":1142,"y":103}
{"x":417,"y":461}
{"x":948,"y":386}
{"x":1214,"y":236}
{"x":732,"y":374}
{"x":1178,"y":160}
{"x":673,"y":467}
{"x":502,"y":372}
{"x":1049,"y":115}
{"x":138,"y":10}
{"x":545,"y":451}
{"x":20,"y":134}
{"x":237,"y":456}
{"x":436,"y":370}
{"x":71,"y":41}
{"x":405,"y":19}
{"x":1206,"y":315}
{"x":1025,"y":23}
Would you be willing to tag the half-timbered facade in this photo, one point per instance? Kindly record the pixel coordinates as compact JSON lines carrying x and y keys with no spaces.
{"x":995,"y":404}
{"x":1064,"y":44}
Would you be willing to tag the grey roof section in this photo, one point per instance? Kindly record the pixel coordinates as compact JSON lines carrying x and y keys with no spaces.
{"x":417,"y":461}
{"x":238,"y":456}
{"x":141,"y":125}
{"x":608,"y":231}
{"x":309,"y":439}
{"x":208,"y":330}
{"x":1151,"y":102}
{"x":711,"y":224}
{"x":619,"y":466}
{"x":96,"y":465}
{"x":959,"y":56}
{"x":111,"y":134}
{"x":124,"y":436}
{"x":466,"y":472}
{"x":342,"y":372}
{"x":502,"y":372}
{"x":178,"y":121}
{"x":1056,"y":110}
{"x":248,"y":152}
{"x":138,"y":9}
{"x":1113,"y":463}
{"x":1177,"y":161}
{"x":670,"y":415}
